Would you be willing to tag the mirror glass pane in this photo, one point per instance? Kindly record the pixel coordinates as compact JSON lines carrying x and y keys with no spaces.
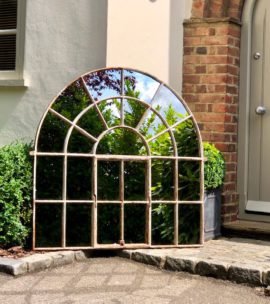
{"x":134,"y":223}
{"x":104,"y":84}
{"x":189,"y":223}
{"x":72,"y":100}
{"x":48,"y":225}
{"x":169,"y":106}
{"x":139,"y":85}
{"x":49,"y":177}
{"x":78,"y":225}
{"x":108,"y":223}
{"x":162,"y":224}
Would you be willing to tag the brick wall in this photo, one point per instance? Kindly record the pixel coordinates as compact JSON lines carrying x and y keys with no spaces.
{"x":211,"y":82}
{"x":217,"y":8}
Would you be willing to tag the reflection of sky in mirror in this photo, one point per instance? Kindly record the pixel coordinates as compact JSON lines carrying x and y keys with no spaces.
{"x":145,"y":85}
{"x":110,"y":106}
{"x":164,"y":99}
{"x":155,"y":127}
{"x":104,"y":84}
{"x":133,"y":112}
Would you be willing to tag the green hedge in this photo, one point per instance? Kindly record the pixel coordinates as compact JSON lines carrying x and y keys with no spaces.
{"x":214,"y":167}
{"x":15,"y":194}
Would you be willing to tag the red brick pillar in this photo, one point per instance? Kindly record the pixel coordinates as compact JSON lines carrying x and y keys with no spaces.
{"x":210,"y":87}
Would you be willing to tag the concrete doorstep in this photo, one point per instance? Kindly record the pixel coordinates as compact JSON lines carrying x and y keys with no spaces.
{"x":238,"y":260}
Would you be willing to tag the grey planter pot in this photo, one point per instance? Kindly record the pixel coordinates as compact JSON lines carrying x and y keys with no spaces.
{"x":212,"y":214}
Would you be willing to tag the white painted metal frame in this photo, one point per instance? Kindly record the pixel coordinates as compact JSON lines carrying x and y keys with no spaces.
{"x":147,"y":159}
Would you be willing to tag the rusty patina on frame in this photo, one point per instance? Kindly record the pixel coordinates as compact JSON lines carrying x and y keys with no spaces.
{"x":147,"y":159}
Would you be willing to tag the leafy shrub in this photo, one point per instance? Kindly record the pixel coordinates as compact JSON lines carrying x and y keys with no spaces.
{"x":214,"y":167}
{"x":15,"y":194}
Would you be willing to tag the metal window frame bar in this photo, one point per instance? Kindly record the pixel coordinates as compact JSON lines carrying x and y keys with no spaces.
{"x":8,"y":32}
{"x":165,"y":202}
{"x":147,"y":159}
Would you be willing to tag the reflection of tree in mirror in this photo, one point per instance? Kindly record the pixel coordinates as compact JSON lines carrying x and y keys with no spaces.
{"x":134,"y":223}
{"x":121,"y":141}
{"x":91,"y":122}
{"x":134,"y":187}
{"x":110,"y":110}
{"x":133,"y":109}
{"x":52,"y":134}
{"x":162,"y":224}
{"x":108,"y":180}
{"x":72,"y":100}
{"x":78,"y":143}
{"x":189,"y":223}
{"x":108,"y":223}
{"x":102,"y":81}
{"x":162,"y":179}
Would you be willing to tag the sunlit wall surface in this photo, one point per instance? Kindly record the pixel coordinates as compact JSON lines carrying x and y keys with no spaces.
{"x":148,"y":35}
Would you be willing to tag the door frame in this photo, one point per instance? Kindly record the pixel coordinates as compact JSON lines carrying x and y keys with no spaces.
{"x":244,"y":110}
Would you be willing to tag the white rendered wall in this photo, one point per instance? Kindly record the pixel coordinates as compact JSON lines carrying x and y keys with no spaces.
{"x":148,"y":35}
{"x":64,"y":38}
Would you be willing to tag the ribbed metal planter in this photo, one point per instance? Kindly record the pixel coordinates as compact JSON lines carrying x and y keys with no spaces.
{"x":212,"y":214}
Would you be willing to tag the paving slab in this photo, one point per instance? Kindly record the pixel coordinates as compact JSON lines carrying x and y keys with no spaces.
{"x":235,"y":259}
{"x":117,"y":280}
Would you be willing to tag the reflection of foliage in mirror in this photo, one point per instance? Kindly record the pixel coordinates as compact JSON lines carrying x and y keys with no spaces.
{"x":162,"y":179}
{"x":79,"y":216}
{"x":162,"y":224}
{"x":52,"y":134}
{"x":189,"y":180}
{"x":91,"y":122}
{"x":78,"y":143}
{"x":134,"y":223}
{"x":48,"y":225}
{"x":162,"y":145}
{"x":110,"y":110}
{"x":133,"y":109}
{"x":133,"y":112}
{"x":152,"y":125}
{"x":186,"y":139}
{"x":108,"y":180}
{"x":49,"y":177}
{"x":121,"y":141}
{"x":189,"y":189}
{"x":72,"y":100}
{"x":100,"y":82}
{"x":134,"y":188}
{"x":79,"y":176}
{"x":189,"y":223}
{"x":108,"y":223}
